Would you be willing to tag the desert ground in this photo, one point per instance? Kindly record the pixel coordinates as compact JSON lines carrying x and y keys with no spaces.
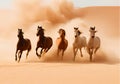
{"x":105,"y":68}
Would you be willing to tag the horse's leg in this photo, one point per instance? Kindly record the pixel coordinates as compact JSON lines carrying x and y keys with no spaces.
{"x":75,"y":52}
{"x":16,"y":55}
{"x":41,"y":52}
{"x":91,"y":53}
{"x":45,"y":51}
{"x":58,"y":52}
{"x":37,"y":52}
{"x":27,"y":54}
{"x":81,"y":52}
{"x":20,"y":54}
{"x":96,"y":50}
{"x":88,"y":50}
{"x":62,"y":54}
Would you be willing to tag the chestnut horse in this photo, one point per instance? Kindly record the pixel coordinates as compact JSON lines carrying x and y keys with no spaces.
{"x":45,"y":43}
{"x":22,"y":45}
{"x":61,"y":42}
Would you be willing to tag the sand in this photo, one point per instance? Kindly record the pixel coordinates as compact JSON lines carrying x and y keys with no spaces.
{"x":59,"y":73}
{"x":50,"y":70}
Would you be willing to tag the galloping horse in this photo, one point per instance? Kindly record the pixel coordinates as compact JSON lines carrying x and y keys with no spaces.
{"x":22,"y":45}
{"x":45,"y":43}
{"x":93,"y":43}
{"x":79,"y":42}
{"x":61,"y":42}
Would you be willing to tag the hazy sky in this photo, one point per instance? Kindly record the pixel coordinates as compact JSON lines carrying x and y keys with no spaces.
{"x":6,"y":4}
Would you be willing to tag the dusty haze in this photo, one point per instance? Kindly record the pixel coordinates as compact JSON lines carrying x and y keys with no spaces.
{"x":53,"y":15}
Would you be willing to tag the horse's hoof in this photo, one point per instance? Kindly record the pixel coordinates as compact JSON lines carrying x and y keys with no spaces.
{"x":74,"y":60}
{"x":37,"y":54}
{"x":15,"y":59}
{"x":18,"y":61}
{"x":90,"y":60}
{"x":39,"y":57}
{"x":26,"y":58}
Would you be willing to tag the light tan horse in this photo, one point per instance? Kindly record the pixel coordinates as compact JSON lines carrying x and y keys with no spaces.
{"x":62,"y":43}
{"x":93,"y":43}
{"x":79,"y":42}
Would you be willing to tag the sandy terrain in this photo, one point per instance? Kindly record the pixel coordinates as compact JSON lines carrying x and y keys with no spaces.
{"x":59,"y":73}
{"x":50,"y":70}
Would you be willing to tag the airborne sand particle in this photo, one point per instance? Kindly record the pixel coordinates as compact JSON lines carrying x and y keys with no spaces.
{"x":29,"y":14}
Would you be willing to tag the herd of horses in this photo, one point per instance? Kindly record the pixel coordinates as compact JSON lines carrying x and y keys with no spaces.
{"x":45,"y":43}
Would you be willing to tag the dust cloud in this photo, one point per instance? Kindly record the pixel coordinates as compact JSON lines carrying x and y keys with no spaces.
{"x":52,"y":15}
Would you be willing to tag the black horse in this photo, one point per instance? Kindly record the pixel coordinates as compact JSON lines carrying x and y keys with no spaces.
{"x":22,"y":45}
{"x":45,"y":43}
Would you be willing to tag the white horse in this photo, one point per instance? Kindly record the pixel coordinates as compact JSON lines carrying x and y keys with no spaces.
{"x":93,"y":43}
{"x":79,"y":42}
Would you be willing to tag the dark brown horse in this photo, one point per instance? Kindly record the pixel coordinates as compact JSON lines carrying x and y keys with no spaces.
{"x":22,"y":45}
{"x":61,"y":42}
{"x":45,"y":43}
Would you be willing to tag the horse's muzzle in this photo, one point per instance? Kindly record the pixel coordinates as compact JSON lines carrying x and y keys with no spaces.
{"x":93,"y":36}
{"x":75,"y":36}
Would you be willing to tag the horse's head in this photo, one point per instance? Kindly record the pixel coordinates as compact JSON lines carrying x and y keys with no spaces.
{"x":62,"y":32}
{"x":92,"y":32}
{"x":20,"y":33}
{"x":77,"y":32}
{"x":40,"y":31}
{"x":75,"y":28}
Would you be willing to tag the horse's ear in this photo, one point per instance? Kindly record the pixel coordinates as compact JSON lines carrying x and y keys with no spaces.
{"x":92,"y":28}
{"x":96,"y":31}
{"x":76,"y":28}
{"x":38,"y":26}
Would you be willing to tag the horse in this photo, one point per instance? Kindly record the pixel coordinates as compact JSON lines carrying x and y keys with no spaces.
{"x":62,"y":43}
{"x":45,"y":43}
{"x":22,"y":45}
{"x":93,"y":43}
{"x":79,"y":42}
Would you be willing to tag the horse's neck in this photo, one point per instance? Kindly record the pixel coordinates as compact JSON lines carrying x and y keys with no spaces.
{"x":62,"y":37}
{"x":91,"y":40}
{"x":77,"y":38}
{"x":41,"y":38}
{"x":21,"y":37}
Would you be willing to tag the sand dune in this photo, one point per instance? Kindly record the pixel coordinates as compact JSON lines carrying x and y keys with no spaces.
{"x":49,"y":69}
